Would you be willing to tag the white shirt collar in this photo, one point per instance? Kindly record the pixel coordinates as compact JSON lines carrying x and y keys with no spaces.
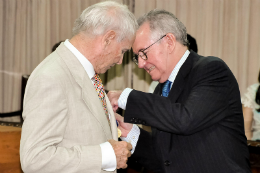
{"x":178,"y":66}
{"x":82,"y":59}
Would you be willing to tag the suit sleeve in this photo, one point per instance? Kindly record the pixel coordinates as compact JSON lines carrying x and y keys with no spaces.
{"x":45,"y":120}
{"x":204,"y":105}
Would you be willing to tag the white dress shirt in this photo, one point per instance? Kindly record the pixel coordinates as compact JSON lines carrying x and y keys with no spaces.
{"x":133,"y":135}
{"x":108,"y":155}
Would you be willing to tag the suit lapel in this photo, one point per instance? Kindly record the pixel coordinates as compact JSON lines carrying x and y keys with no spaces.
{"x":179,"y":81}
{"x":158,"y":89}
{"x":112,"y":119}
{"x":89,"y":94}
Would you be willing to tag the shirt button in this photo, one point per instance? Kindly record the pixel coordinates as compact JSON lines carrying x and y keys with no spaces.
{"x":133,"y":137}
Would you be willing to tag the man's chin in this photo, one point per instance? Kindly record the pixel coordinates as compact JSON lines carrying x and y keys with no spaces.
{"x":154,"y":78}
{"x":154,"y":75}
{"x":102,"y":71}
{"x":158,"y":78}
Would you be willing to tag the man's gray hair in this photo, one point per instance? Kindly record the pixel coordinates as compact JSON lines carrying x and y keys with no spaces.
{"x":104,"y":16}
{"x":162,"y":22}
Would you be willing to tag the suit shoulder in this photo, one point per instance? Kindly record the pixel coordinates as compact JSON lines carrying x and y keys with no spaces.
{"x":50,"y":69}
{"x":210,"y":67}
{"x":52,"y":64}
{"x":209,"y":61}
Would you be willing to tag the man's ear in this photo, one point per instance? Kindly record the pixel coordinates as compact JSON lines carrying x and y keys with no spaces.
{"x":109,"y":37}
{"x":171,"y":42}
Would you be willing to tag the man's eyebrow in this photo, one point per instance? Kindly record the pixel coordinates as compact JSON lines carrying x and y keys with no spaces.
{"x":140,"y":50}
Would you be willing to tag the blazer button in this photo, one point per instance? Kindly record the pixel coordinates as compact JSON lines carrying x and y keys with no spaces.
{"x":167,"y":163}
{"x":136,"y":121}
{"x":132,"y":119}
{"x":144,"y":122}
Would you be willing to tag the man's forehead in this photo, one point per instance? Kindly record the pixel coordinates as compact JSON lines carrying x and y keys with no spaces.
{"x":127,"y":44}
{"x":142,"y":37}
{"x":141,"y":41}
{"x":143,"y":31}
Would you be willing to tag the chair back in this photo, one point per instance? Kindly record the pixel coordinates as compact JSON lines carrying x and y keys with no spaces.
{"x":18,"y":112}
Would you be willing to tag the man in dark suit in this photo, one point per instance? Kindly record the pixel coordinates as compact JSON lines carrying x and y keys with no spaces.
{"x":195,"y":112}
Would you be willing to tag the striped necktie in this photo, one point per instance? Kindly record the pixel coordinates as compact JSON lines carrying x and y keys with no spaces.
{"x":166,"y":88}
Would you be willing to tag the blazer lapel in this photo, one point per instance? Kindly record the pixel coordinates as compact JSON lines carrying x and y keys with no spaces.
{"x":176,"y":88}
{"x":158,"y":89}
{"x":179,"y":81}
{"x":112,"y":119}
{"x":89,"y":94}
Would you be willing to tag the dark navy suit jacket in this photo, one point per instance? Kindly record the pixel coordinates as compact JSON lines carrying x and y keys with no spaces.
{"x":198,"y":128}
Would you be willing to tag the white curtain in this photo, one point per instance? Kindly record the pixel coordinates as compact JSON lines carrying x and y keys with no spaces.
{"x":229,"y":29}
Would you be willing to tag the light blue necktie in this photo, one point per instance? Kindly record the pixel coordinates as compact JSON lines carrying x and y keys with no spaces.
{"x":166,"y":88}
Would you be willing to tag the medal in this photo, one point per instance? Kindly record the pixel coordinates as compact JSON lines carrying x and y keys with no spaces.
{"x":119,"y":133}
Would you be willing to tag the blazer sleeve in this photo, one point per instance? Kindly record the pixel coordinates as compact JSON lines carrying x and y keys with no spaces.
{"x":204,"y":105}
{"x":45,"y":120}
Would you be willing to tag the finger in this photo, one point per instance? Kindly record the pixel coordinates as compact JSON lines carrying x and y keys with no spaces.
{"x":129,"y":146}
{"x":119,"y":118}
{"x":129,"y":154}
{"x":115,"y":107}
{"x":110,"y":94}
{"x":119,"y":166}
{"x":125,"y":166}
{"x":122,"y":165}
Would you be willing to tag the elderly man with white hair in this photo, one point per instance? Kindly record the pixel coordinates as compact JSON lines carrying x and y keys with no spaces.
{"x":69,"y":124}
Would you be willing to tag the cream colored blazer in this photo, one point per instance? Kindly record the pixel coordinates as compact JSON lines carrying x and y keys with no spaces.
{"x":64,"y":121}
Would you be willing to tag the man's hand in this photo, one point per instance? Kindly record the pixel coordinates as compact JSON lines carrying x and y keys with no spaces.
{"x":124,"y":127}
{"x":113,"y":98}
{"x":122,"y":152}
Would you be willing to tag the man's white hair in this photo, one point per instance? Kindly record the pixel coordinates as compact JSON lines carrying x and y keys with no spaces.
{"x":104,"y":16}
{"x":162,"y":22}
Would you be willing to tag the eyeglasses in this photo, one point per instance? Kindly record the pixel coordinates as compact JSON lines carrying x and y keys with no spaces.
{"x":142,"y":54}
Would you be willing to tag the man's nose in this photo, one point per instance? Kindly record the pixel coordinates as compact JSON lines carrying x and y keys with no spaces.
{"x":141,"y":62}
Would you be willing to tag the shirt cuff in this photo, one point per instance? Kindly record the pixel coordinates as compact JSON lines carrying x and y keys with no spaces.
{"x":108,"y":157}
{"x":132,"y":137}
{"x":123,"y":98}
